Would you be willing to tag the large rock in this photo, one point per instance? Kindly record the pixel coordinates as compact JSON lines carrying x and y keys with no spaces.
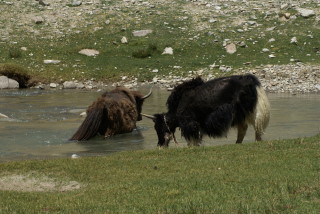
{"x":89,"y":52}
{"x":168,"y":51}
{"x":6,"y":83}
{"x":73,"y":85}
{"x":231,"y":48}
{"x":69,"y":85}
{"x":140,"y":33}
{"x":306,"y":13}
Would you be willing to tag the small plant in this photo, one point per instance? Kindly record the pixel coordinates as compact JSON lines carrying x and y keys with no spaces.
{"x":15,"y":53}
{"x":144,"y":53}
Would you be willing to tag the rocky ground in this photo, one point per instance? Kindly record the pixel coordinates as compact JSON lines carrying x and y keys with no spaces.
{"x":61,"y":18}
{"x":295,"y":78}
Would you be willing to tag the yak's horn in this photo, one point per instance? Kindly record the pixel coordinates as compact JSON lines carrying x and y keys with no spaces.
{"x":148,"y":116}
{"x":147,"y":95}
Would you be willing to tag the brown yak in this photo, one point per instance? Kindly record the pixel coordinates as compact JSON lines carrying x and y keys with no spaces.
{"x":115,"y":112}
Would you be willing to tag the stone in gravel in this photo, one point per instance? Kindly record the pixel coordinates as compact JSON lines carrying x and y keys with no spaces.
{"x":38,"y":19}
{"x":53,"y":85}
{"x":69,"y":85}
{"x":43,"y":3}
{"x":76,"y":3}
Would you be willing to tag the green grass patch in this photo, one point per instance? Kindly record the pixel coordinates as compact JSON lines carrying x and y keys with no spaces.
{"x":268,"y":177}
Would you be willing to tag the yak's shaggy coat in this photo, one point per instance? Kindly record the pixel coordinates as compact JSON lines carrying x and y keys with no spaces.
{"x":211,"y":108}
{"x":115,"y":112}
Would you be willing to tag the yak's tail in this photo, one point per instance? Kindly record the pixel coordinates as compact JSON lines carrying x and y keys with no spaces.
{"x":262,"y":112}
{"x":94,"y":123}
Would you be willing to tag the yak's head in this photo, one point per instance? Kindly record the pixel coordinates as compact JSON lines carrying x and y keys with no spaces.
{"x":165,"y":128}
{"x":139,"y":99}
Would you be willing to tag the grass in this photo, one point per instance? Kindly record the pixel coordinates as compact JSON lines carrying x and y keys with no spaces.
{"x":195,"y":47}
{"x":269,"y":177}
{"x":17,"y":73}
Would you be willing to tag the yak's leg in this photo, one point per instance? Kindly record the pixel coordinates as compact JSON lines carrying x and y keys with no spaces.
{"x":242,"y":130}
{"x":258,"y":136}
{"x":194,"y":142}
{"x":190,"y":129}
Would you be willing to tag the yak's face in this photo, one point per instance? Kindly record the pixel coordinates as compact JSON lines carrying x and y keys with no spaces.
{"x":139,"y":98}
{"x":139,"y":103}
{"x":161,"y":125}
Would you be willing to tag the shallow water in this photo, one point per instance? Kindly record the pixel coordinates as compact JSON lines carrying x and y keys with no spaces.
{"x":42,"y":121}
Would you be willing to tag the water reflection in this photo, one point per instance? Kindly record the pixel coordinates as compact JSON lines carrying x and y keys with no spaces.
{"x":42,"y":121}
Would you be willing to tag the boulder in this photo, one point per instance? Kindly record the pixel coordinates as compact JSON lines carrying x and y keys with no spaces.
{"x":231,"y":48}
{"x":168,"y":51}
{"x":7,"y":83}
{"x":140,"y":33}
{"x":89,"y":52}
{"x":306,"y":13}
{"x":69,"y":85}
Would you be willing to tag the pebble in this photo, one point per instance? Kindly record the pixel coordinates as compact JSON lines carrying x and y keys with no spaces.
{"x":75,"y":156}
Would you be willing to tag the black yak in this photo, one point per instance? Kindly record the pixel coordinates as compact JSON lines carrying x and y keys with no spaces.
{"x":115,"y":112}
{"x":211,"y":108}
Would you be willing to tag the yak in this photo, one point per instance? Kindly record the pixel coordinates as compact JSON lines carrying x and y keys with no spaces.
{"x":114,"y":112}
{"x":211,"y":108}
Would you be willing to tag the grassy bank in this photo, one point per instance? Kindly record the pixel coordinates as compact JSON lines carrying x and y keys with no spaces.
{"x":268,"y":177}
{"x":195,"y":32}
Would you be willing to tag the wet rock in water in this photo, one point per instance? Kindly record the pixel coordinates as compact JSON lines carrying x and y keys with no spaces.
{"x":7,"y":83}
{"x":53,"y":85}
